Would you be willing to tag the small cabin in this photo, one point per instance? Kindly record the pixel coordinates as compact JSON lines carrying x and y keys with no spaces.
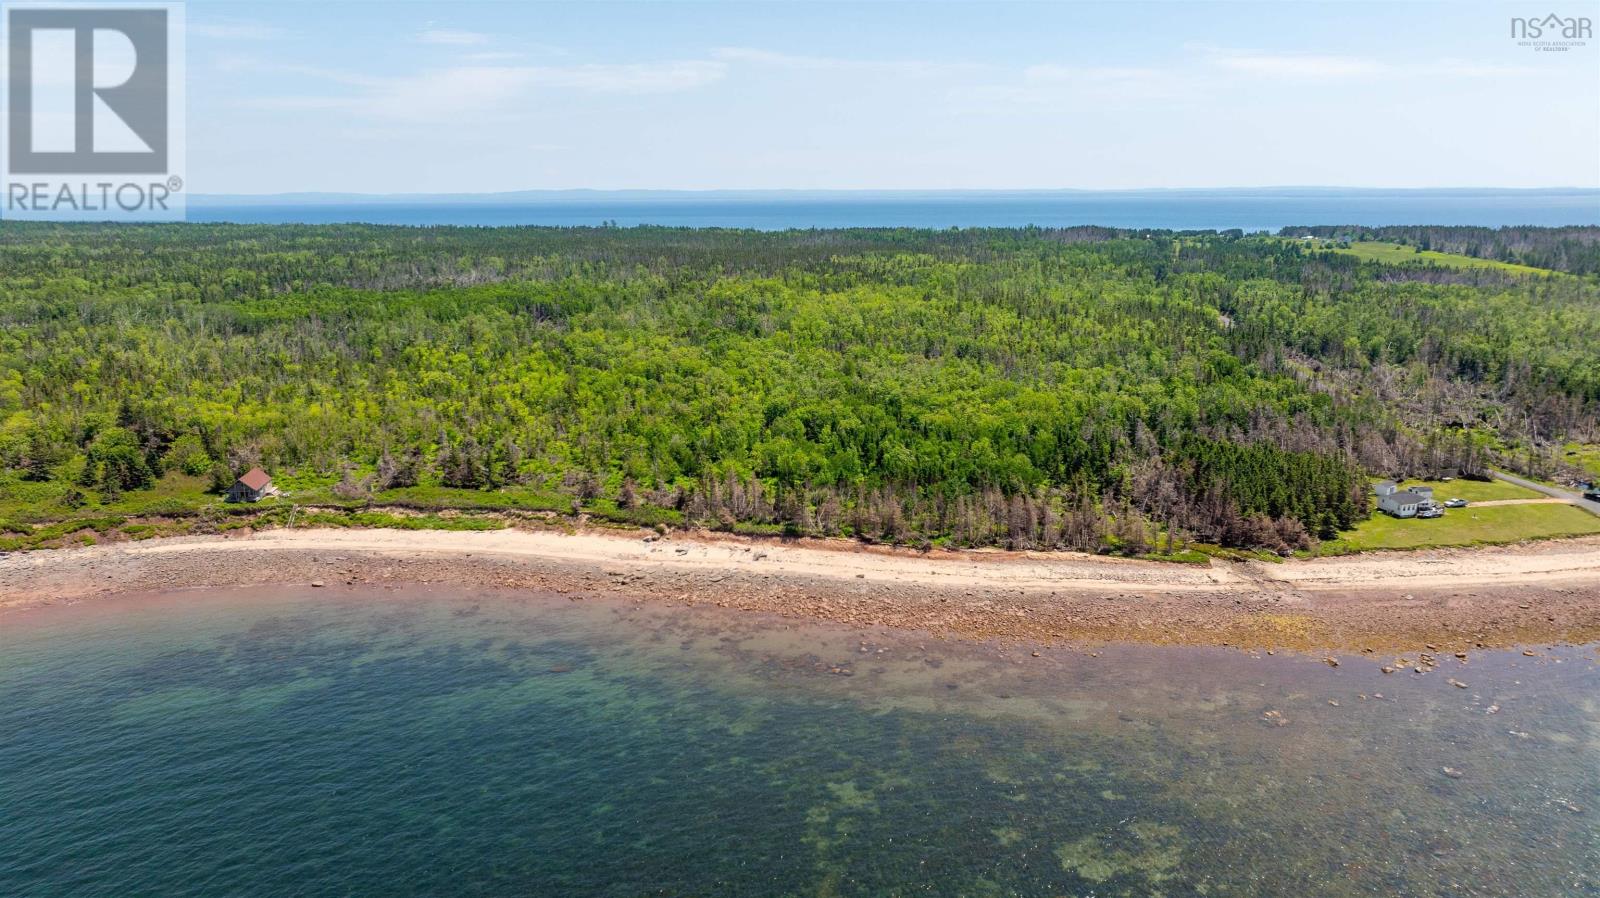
{"x":1386,"y":488}
{"x":254,"y":486}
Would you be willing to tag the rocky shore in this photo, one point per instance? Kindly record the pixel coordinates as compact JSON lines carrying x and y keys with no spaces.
{"x":1442,"y":601}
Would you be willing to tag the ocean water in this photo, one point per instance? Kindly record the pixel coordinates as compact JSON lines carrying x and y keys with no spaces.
{"x":1249,"y":210}
{"x":330,"y":742}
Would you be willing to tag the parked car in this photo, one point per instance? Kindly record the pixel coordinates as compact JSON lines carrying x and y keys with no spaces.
{"x":1456,"y":503}
{"x":1592,"y":495}
{"x":1434,"y":512}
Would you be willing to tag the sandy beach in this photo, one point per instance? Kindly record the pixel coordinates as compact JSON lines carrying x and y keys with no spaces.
{"x":1455,"y":599}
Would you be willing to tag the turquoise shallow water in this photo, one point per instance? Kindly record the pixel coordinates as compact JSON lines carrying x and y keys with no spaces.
{"x":319,"y":742}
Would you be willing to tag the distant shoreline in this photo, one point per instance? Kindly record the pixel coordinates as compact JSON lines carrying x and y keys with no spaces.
{"x":1455,"y":599}
{"x":590,"y":195}
{"x":1254,"y":210}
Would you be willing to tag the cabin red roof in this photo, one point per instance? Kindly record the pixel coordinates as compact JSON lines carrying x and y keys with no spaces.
{"x":255,"y":478}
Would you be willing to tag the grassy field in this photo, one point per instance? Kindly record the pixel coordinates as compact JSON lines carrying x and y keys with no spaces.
{"x":1474,"y":490}
{"x":1584,"y":456}
{"x":1397,"y":254}
{"x":1467,"y":527}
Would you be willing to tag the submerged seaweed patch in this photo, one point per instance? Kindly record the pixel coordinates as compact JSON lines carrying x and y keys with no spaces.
{"x":1148,"y":852}
{"x":688,"y":752}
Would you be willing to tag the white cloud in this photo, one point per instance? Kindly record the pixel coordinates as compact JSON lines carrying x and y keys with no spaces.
{"x":238,"y":31}
{"x":1295,"y":65}
{"x":1461,"y":68}
{"x":772,"y":59}
{"x":1332,"y":67}
{"x":637,"y":78}
{"x":1055,"y":72}
{"x":1056,"y":85}
{"x":296,"y":104}
{"x":452,"y":37}
{"x":486,"y":91}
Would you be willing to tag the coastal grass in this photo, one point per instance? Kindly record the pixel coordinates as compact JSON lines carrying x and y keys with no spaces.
{"x":1185,"y":556}
{"x":45,"y":515}
{"x":54,"y":513}
{"x":1466,"y":527}
{"x":57,"y":533}
{"x":392,"y":521}
{"x":174,"y":495}
{"x":1474,"y":490}
{"x":1584,"y":455}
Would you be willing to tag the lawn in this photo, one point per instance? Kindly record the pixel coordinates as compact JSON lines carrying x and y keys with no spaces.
{"x":1584,"y":456}
{"x":1466,"y":527}
{"x":1398,"y":254}
{"x":1474,"y":490}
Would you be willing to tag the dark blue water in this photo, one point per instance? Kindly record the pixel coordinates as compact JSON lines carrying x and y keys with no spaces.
{"x":1256,"y":210}
{"x":325,"y":742}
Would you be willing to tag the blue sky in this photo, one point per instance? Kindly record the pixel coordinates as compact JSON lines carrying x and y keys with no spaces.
{"x":426,"y":97}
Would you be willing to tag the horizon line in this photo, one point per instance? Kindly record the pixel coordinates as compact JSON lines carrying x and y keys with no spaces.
{"x":864,"y":191}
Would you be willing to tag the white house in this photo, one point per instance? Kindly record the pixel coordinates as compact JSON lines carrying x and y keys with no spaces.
{"x":1402,"y":504}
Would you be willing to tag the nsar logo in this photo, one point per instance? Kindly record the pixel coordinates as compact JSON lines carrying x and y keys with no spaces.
{"x":1553,"y":32}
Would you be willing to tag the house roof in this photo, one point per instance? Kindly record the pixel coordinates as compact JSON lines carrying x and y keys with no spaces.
{"x":1383,"y":483}
{"x":1406,"y":497}
{"x":255,"y":479}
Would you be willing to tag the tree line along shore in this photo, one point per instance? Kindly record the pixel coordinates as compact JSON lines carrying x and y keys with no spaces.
{"x":1150,"y":393}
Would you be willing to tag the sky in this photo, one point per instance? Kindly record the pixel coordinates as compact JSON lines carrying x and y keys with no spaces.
{"x":403,"y":97}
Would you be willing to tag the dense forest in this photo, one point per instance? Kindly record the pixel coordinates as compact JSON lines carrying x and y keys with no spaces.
{"x":1082,"y":388}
